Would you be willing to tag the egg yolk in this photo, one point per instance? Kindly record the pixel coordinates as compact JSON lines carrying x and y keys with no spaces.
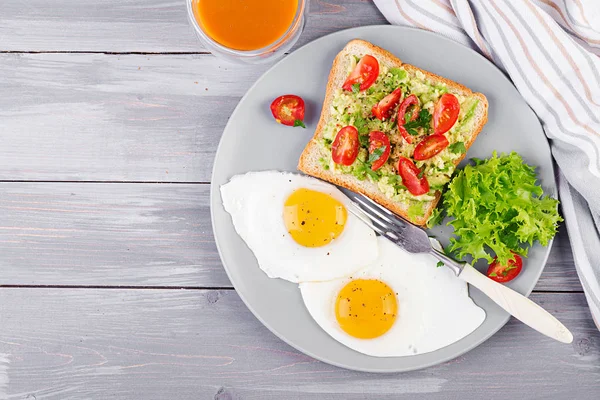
{"x":366,"y":308}
{"x":312,"y":218}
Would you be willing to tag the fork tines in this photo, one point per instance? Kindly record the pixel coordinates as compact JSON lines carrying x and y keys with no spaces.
{"x":375,"y":217}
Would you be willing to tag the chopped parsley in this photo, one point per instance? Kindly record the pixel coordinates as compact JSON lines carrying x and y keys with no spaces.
{"x":457,"y":148}
{"x":423,"y":121}
{"x":364,"y":140}
{"x":376,"y":154}
{"x":439,"y":264}
{"x":361,"y":124}
{"x":356,"y":88}
{"x":363,"y":169}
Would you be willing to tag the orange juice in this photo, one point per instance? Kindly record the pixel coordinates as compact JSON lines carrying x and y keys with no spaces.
{"x":245,"y":24}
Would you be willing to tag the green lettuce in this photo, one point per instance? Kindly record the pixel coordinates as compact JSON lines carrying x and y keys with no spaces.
{"x":497,"y":208}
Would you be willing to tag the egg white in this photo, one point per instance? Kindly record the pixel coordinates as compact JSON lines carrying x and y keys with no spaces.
{"x":434,"y":307}
{"x":255,"y":201}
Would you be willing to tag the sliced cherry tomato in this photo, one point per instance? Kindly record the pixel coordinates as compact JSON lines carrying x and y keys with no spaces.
{"x":382,"y":109}
{"x":445,"y":113}
{"x":288,"y":110}
{"x":501,"y":273}
{"x":377,"y":140}
{"x":410,"y":177}
{"x":344,"y":148}
{"x":411,"y":100}
{"x":365,"y":74}
{"x":430,"y":146}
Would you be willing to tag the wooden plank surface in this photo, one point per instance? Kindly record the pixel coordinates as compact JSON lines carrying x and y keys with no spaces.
{"x":103,"y":117}
{"x":83,"y":110}
{"x":125,"y":234}
{"x":173,"y":344}
{"x":148,"y":26}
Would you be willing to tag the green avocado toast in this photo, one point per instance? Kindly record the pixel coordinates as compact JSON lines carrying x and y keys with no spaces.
{"x":392,"y":131}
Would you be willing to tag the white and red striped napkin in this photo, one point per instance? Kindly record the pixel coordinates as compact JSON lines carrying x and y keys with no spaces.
{"x":550,"y":50}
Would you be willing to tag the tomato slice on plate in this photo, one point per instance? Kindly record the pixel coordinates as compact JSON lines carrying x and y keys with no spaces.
{"x":411,"y":100}
{"x":410,"y":177}
{"x":445,"y":113}
{"x":430,"y":146}
{"x":505,"y":273}
{"x":382,"y":109}
{"x":378,"y":143}
{"x":365,"y":74}
{"x":344,"y":148}
{"x":288,"y":110}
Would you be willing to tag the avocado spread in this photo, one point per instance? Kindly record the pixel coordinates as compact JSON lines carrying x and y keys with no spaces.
{"x":354,"y":108}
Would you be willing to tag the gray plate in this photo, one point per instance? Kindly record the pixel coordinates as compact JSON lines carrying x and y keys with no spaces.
{"x":252,"y":141}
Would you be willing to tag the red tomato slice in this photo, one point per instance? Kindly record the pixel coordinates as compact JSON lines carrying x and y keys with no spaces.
{"x":365,"y":73}
{"x":344,"y":148}
{"x":288,"y":110}
{"x":378,"y":140}
{"x":501,"y":273}
{"x":445,"y":113}
{"x":430,"y":146}
{"x":410,"y":177}
{"x":411,"y":100}
{"x":382,"y":109}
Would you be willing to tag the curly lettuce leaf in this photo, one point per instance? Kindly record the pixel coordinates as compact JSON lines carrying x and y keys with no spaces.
{"x":497,"y":208}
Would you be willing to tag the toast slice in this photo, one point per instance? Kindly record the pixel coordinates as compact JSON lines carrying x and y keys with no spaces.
{"x":316,"y":157}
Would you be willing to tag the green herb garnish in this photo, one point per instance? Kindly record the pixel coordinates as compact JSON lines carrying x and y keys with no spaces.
{"x":363,"y":169}
{"x":423,"y":121}
{"x":364,"y":140}
{"x":439,"y":264}
{"x":361,"y":124}
{"x":376,"y":154}
{"x":356,"y":88}
{"x":299,"y":123}
{"x":457,"y":148}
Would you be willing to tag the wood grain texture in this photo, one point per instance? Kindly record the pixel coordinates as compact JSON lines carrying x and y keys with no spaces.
{"x":136,"y":235}
{"x":174,"y":344}
{"x":107,"y":234}
{"x":158,"y":118}
{"x":142,"y":26}
{"x":115,"y":118}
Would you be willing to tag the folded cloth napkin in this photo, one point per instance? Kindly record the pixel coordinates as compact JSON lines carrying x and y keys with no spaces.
{"x":550,"y":50}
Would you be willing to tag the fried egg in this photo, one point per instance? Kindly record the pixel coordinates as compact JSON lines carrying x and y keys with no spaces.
{"x":298,"y":227}
{"x":399,"y":305}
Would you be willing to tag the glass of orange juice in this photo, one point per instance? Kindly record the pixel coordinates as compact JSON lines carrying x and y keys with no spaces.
{"x":248,"y":31}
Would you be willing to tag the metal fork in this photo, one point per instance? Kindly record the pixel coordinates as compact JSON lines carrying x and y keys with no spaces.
{"x":415,"y":240}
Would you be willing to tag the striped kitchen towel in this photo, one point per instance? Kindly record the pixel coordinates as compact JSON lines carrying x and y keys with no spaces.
{"x":550,"y":50}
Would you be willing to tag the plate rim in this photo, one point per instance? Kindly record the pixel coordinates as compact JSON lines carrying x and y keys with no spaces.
{"x":214,"y":198}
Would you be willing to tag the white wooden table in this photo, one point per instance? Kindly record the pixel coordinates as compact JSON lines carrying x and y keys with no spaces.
{"x":110,"y":283}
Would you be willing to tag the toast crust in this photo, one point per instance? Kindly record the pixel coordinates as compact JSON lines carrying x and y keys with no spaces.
{"x":308,"y":162}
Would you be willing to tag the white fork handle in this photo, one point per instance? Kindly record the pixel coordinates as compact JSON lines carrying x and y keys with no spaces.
{"x":518,"y":305}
